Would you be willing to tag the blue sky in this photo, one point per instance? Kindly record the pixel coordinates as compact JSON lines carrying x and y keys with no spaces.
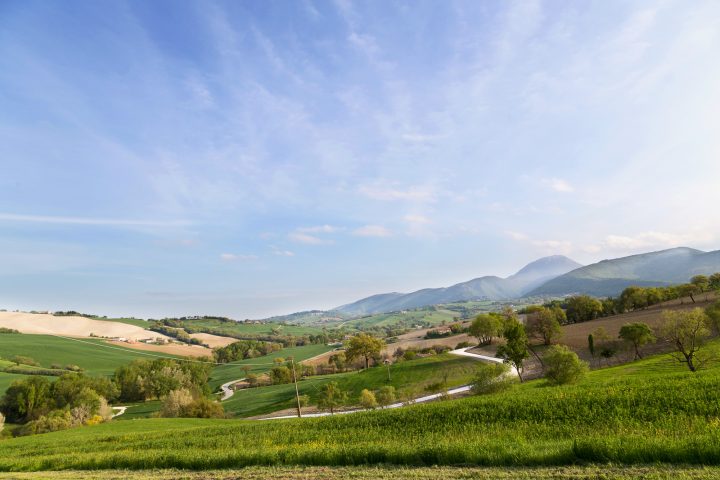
{"x":248,"y":158}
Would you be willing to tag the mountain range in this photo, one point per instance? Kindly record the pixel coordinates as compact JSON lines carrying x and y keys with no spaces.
{"x":518,"y":285}
{"x":555,"y":276}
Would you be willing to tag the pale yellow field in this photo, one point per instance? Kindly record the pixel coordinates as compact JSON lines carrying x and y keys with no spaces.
{"x":40,"y":323}
{"x":213,"y":341}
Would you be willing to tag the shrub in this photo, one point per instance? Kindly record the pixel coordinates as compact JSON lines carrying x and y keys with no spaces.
{"x":464,"y":345}
{"x":8,"y":330}
{"x":491,"y":378}
{"x":204,"y":408}
{"x":562,"y":366}
{"x":367,"y":399}
{"x":23,"y":360}
{"x":175,"y":402}
{"x":281,"y":375}
{"x":386,"y":396}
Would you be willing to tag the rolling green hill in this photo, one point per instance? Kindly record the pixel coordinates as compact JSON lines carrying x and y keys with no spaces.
{"x":409,"y":378}
{"x":617,"y":415}
{"x":610,"y":277}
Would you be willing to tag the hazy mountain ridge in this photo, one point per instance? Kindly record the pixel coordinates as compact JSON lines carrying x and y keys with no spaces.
{"x":482,"y":288}
{"x":610,"y":277}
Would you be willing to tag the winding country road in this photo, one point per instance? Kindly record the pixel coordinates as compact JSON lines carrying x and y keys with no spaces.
{"x":463,"y":352}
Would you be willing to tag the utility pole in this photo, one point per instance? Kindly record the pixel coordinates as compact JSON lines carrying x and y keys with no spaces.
{"x":297,"y":393}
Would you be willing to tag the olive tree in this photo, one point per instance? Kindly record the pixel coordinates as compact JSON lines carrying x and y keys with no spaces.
{"x":637,"y":334}
{"x":687,"y":332}
{"x":485,"y":327}
{"x":331,"y":397}
{"x":363,"y":346}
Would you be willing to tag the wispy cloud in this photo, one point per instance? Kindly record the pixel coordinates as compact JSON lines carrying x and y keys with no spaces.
{"x":111,"y":222}
{"x":394,"y":192}
{"x":308,"y":239}
{"x":558,"y":185}
{"x":232,"y":257}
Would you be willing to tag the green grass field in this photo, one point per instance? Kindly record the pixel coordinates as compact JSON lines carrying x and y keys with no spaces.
{"x":409,"y":378}
{"x":226,"y":373}
{"x":407,"y":319}
{"x":619,"y":415}
{"x":94,"y":356}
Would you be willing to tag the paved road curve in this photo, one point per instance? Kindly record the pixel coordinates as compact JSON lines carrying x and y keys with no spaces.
{"x":463,"y":352}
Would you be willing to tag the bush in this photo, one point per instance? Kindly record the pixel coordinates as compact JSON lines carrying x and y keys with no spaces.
{"x":8,"y":330}
{"x":175,"y":402}
{"x":562,"y":366}
{"x":386,"y":396}
{"x":367,"y":399}
{"x":491,"y":378}
{"x":23,"y":360}
{"x":204,"y":408}
{"x":464,"y":345}
{"x":281,"y":375}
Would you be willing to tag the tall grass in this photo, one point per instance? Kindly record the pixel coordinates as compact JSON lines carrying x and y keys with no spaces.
{"x":672,"y":418}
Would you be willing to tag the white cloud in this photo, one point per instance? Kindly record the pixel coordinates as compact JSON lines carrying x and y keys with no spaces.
{"x":307,"y":239}
{"x":282,"y":253}
{"x":319,"y":229}
{"x":372,"y":231}
{"x":558,"y":185}
{"x":417,"y":219}
{"x":232,"y":257}
{"x":390,"y":192}
{"x":655,"y":240}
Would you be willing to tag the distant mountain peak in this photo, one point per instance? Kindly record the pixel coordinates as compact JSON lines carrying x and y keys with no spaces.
{"x":550,"y":264}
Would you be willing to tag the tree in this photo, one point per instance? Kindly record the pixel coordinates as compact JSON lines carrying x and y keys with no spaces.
{"x":515,"y":350}
{"x":364,"y":346}
{"x":491,"y":378}
{"x":485,"y":327}
{"x":331,"y":397}
{"x":714,"y":281}
{"x":23,"y":360}
{"x":386,"y":396}
{"x":583,"y":308}
{"x":304,"y":400}
{"x":702,"y":282}
{"x":637,"y":334}
{"x":591,"y":345}
{"x":687,"y":332}
{"x":175,"y":403}
{"x":280,"y":375}
{"x":562,"y":366}
{"x":27,"y":399}
{"x":368,"y":400}
{"x":713,"y":314}
{"x":688,"y":290}
{"x":545,"y":324}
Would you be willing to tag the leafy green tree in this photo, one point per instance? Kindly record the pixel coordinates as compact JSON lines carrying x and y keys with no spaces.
{"x":27,"y":399}
{"x":485,"y":327}
{"x":688,"y":290}
{"x":515,"y":351}
{"x":591,"y":345}
{"x":386,"y":396}
{"x":281,"y":375}
{"x":702,"y":282}
{"x":714,"y":281}
{"x":637,"y":334}
{"x":562,"y":366}
{"x":687,"y":332}
{"x":713,"y":314}
{"x":491,"y":378}
{"x":368,"y":400}
{"x":364,"y":346}
{"x":545,"y":324}
{"x":583,"y":308}
{"x":331,"y":397}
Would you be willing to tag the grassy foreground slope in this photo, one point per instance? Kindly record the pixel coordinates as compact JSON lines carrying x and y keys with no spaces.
{"x":618,"y":415}
{"x":598,"y":472}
